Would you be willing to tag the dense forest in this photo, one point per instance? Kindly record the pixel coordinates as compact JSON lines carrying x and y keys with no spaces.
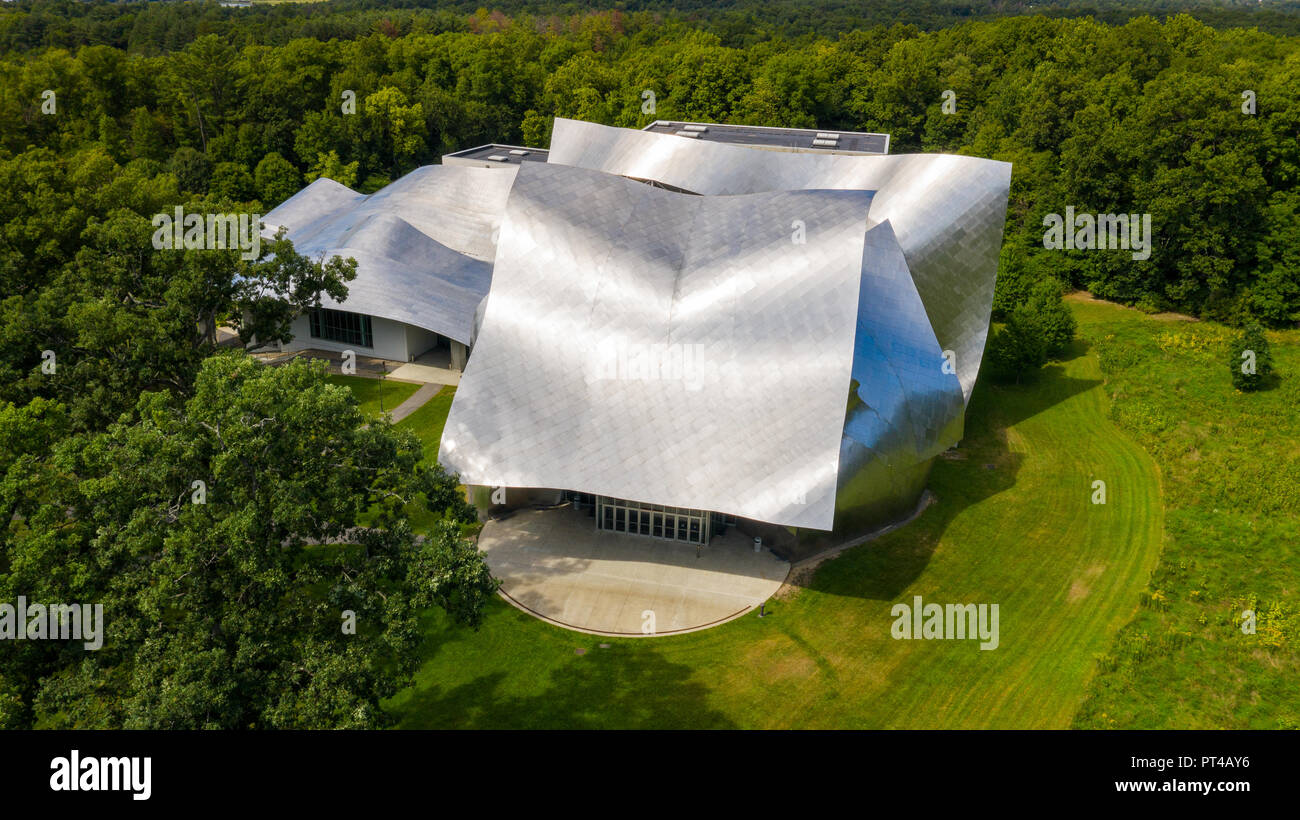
{"x":1147,"y":117}
{"x":111,"y":113}
{"x":153,"y":27}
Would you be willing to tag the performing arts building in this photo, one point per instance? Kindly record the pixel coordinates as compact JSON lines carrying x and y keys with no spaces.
{"x":681,"y":329}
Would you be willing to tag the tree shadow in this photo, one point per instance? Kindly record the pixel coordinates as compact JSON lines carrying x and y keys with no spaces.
{"x":628,"y":685}
{"x":980,"y":468}
{"x":1268,"y":382}
{"x":1010,"y":404}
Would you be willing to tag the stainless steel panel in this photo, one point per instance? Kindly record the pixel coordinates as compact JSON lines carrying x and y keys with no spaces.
{"x":423,"y":245}
{"x":947,"y":211}
{"x":590,"y":265}
{"x":898,"y":266}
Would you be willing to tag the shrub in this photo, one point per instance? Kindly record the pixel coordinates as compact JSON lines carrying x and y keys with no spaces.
{"x":1052,"y":316}
{"x":1249,"y":360}
{"x":1017,"y":350}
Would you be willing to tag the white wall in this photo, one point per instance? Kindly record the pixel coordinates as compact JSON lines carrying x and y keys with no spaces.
{"x":418,"y":341}
{"x":390,"y":339}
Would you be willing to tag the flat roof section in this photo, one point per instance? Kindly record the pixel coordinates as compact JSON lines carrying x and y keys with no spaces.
{"x":495,"y":153}
{"x":780,"y":139}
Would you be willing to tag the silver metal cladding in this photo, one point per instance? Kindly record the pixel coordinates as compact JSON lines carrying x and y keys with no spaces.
{"x":947,"y":211}
{"x":423,"y":245}
{"x":667,"y":348}
{"x":785,"y":337}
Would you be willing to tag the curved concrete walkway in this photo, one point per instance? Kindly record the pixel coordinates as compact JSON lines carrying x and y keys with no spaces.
{"x":556,"y":565}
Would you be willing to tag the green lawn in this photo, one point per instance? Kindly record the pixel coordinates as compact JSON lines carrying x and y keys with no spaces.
{"x":369,"y":391}
{"x":427,"y":423}
{"x":1231,"y":465}
{"x":1014,"y":525}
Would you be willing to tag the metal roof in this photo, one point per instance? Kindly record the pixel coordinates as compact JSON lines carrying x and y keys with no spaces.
{"x":673,"y":349}
{"x":947,"y":211}
{"x":788,"y":277}
{"x":423,"y":245}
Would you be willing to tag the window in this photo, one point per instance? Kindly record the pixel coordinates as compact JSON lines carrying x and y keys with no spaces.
{"x":341,"y":326}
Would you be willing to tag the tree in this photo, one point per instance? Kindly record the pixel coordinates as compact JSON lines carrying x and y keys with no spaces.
{"x":276,"y":179}
{"x":191,"y":168}
{"x":1017,"y":350}
{"x":1051,"y":315}
{"x":229,"y":604}
{"x":231,"y":182}
{"x":393,"y":128}
{"x":123,"y":317}
{"x":330,"y":166}
{"x":1037,"y":329}
{"x":277,"y":287}
{"x":148,"y":137}
{"x":1275,"y":294}
{"x":1250,"y":361}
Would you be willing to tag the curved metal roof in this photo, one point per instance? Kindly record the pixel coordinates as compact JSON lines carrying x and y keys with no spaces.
{"x":947,"y":211}
{"x":772,"y":349}
{"x":672,"y":349}
{"x":423,"y":244}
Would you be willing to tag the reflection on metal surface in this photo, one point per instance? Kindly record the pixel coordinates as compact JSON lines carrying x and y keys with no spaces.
{"x":947,"y":211}
{"x":665,"y":348}
{"x":904,"y":409}
{"x":423,"y":245}
{"x":691,"y":342}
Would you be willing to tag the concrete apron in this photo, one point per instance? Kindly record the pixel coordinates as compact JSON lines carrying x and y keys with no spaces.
{"x":555,"y":565}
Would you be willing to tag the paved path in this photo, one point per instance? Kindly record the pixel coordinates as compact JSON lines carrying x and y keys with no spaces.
{"x":416,"y":372}
{"x":556,"y":565}
{"x":416,"y":401}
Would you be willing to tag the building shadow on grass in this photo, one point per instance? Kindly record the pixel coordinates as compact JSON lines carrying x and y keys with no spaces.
{"x":981,"y":467}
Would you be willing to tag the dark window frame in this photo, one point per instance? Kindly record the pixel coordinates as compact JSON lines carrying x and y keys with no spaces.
{"x":342,"y":327}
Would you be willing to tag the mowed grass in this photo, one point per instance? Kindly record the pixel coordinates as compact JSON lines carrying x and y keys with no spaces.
{"x":427,"y":423}
{"x":428,"y":420}
{"x":1013,"y":525}
{"x":368,"y":392}
{"x":1231,"y":466}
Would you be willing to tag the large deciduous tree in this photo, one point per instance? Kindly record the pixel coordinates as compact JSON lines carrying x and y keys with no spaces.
{"x":234,"y":542}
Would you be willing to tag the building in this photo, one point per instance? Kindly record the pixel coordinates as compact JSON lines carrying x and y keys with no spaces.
{"x":688,"y":327}
{"x":424,"y":247}
{"x":424,"y":244}
{"x":495,"y":155}
{"x":848,"y":143}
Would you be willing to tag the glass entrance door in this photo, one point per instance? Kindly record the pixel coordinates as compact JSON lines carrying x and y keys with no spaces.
{"x":654,"y":520}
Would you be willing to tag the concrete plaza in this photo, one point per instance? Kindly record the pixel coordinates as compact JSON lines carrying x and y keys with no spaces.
{"x":556,"y":565}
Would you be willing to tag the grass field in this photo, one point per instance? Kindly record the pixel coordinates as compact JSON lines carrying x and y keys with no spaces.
{"x":369,"y":391}
{"x":1014,"y":525}
{"x":1231,"y":466}
{"x":427,"y":422}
